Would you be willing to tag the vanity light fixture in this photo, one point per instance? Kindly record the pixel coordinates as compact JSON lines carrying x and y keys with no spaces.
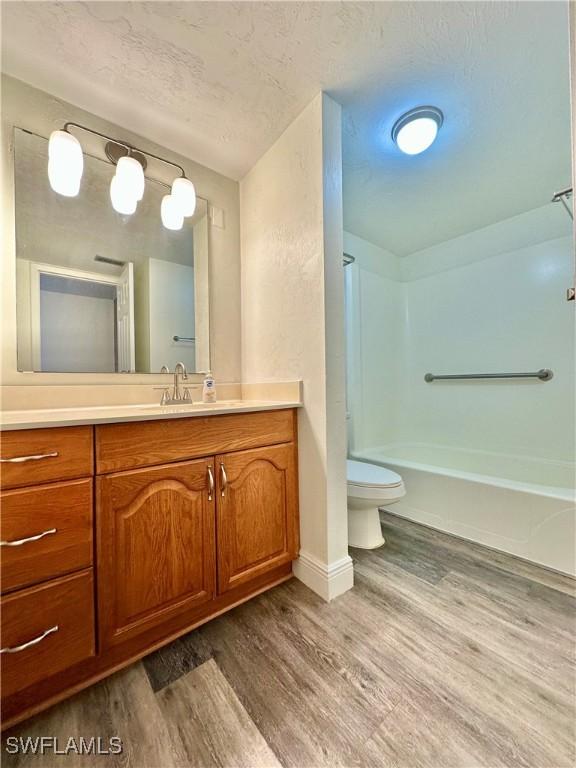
{"x":66,"y":163}
{"x":171,"y":213}
{"x":417,"y":129}
{"x":122,"y":197}
{"x":184,"y":196}
{"x":130,"y":178}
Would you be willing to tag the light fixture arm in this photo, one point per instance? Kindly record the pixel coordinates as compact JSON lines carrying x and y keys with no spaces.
{"x":128,"y":147}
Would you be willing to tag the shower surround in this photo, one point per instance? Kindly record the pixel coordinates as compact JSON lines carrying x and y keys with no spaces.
{"x":488,"y":460}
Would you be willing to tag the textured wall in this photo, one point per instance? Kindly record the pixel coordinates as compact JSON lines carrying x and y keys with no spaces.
{"x":472,"y":304}
{"x":40,"y":112}
{"x":292,"y":306}
{"x":504,"y":313}
{"x":375,"y":307}
{"x":229,"y":77}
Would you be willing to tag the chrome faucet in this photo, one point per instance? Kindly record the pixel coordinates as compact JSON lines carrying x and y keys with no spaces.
{"x":177,"y":396}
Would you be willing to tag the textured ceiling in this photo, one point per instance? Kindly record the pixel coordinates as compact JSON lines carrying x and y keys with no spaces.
{"x":220,"y":81}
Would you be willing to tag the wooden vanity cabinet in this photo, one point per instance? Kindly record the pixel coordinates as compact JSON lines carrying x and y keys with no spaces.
{"x":46,"y":629}
{"x":256,"y":520}
{"x":47,"y":604}
{"x":34,"y":456}
{"x":186,"y":518}
{"x":46,"y":532}
{"x":174,"y":537}
{"x":156,"y":546}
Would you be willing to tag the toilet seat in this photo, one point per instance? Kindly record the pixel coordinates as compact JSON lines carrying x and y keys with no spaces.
{"x":371,"y":475}
{"x":370,"y":481}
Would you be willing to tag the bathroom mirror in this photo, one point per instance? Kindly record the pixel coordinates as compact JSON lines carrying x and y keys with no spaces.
{"x":99,"y":292}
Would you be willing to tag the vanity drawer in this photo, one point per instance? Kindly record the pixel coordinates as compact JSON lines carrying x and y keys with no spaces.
{"x":146,"y":443}
{"x":46,"y":629}
{"x":33,"y":456}
{"x":46,"y":531}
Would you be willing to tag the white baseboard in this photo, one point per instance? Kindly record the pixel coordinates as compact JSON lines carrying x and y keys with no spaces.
{"x":326,"y":579}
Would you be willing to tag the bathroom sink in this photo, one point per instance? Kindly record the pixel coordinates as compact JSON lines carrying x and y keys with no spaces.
{"x":176,"y":407}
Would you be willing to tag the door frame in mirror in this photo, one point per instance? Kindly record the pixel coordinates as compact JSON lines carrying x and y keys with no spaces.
{"x":31,"y":279}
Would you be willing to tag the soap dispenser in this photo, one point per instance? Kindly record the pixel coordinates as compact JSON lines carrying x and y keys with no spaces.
{"x":209,"y":389}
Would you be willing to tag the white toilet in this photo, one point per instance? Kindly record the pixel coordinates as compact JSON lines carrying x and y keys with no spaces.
{"x":369,"y":487}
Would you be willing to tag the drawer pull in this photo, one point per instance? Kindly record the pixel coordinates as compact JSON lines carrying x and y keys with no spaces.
{"x":210,"y":484}
{"x":19,"y":542}
{"x":223,"y":480}
{"x":18,"y":648}
{"x":22,"y":459}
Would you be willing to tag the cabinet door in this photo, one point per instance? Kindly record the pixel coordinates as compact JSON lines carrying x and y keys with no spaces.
{"x":257,"y":513}
{"x":156,"y":547}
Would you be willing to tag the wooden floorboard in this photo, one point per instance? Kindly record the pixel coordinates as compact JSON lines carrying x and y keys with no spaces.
{"x":208,"y":724}
{"x":444,"y":655}
{"x":451,"y":547}
{"x":124,"y":705}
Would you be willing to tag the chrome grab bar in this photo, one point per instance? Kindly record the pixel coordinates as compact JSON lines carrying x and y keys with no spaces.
{"x":19,"y":542}
{"x":544,"y":374}
{"x":35,"y":641}
{"x":22,"y":459}
{"x":183,"y":338}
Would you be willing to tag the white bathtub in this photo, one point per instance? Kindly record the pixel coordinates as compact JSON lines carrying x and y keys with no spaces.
{"x":516,"y":504}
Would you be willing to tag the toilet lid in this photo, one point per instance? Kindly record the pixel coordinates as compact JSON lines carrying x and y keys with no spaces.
{"x":360,"y":473}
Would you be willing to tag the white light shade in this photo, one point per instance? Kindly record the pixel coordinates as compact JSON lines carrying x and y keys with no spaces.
{"x":171,"y":213}
{"x":416,"y":130}
{"x":122,"y":197}
{"x":131,"y":176}
{"x":65,"y":163}
{"x":61,"y":181}
{"x":184,"y":196}
{"x":417,"y":136}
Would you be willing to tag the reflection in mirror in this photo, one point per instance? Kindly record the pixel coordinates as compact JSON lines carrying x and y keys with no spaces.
{"x":100,"y":292}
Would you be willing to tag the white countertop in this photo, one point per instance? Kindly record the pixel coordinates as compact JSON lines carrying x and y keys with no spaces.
{"x":110,"y":414}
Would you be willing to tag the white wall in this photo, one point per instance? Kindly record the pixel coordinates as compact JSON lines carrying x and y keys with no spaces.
{"x":171,"y":298}
{"x":87,"y":343}
{"x":492,"y":300}
{"x":505,"y":313}
{"x":375,"y":308}
{"x":293,"y":319}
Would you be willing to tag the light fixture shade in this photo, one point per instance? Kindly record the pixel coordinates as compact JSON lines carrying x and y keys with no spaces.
{"x":171,"y":213}
{"x":416,"y":130}
{"x":61,"y":181}
{"x":184,"y":196}
{"x":65,"y":163}
{"x":122,"y":197}
{"x":131,"y":176}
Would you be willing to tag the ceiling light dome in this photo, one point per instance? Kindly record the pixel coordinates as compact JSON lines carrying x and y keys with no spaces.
{"x":417,"y":129}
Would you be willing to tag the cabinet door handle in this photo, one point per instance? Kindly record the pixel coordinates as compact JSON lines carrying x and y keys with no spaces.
{"x":19,"y":542}
{"x":223,"y":480}
{"x":22,"y":459}
{"x":210,"y":484}
{"x":18,"y":648}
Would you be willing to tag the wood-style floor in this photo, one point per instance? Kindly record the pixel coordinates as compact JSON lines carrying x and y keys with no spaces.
{"x":444,"y":654}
